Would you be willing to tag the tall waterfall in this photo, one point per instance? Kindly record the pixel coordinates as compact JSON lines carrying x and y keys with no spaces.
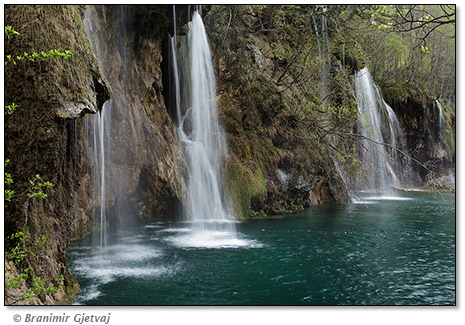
{"x":199,"y":129}
{"x":98,"y":128}
{"x":382,"y":136}
{"x":101,"y":131}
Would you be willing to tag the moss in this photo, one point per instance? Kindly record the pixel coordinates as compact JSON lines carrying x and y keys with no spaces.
{"x":43,"y":28}
{"x":403,"y":92}
{"x":243,"y":184}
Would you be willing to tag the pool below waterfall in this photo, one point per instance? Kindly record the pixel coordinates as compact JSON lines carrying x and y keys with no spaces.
{"x":380,"y":251}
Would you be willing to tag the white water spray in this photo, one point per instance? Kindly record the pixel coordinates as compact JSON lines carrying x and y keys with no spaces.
{"x":379,"y":123}
{"x":199,"y":129}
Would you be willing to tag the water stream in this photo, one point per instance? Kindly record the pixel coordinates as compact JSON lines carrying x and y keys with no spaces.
{"x":98,"y":130}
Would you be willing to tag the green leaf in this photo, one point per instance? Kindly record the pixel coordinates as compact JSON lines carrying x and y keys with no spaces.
{"x":9,"y":31}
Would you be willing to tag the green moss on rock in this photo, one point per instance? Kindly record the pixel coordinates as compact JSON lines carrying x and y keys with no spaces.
{"x":244,"y":184}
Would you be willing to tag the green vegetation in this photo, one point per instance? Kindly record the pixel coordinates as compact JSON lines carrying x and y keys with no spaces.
{"x":38,"y":287}
{"x":412,"y":44}
{"x":243,"y":185}
{"x":55,"y":54}
{"x":284,"y":91}
{"x":255,"y":214}
{"x":9,"y":109}
{"x":10,"y":31}
{"x":36,"y":187}
{"x":280,"y":112}
{"x":34,"y":56}
{"x":289,"y":90}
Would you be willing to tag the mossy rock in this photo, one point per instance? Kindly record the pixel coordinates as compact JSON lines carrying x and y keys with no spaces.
{"x":244,"y":184}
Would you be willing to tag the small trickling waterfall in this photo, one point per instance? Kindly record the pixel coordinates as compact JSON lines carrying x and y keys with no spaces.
{"x":98,"y":128}
{"x":322,"y":38}
{"x":442,"y":121}
{"x":379,"y":123}
{"x":199,"y":129}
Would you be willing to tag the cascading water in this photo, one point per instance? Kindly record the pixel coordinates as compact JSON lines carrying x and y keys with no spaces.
{"x":98,"y":128}
{"x":442,"y":120}
{"x":106,"y":129}
{"x":201,"y":135}
{"x":381,"y":136}
{"x":205,"y":146}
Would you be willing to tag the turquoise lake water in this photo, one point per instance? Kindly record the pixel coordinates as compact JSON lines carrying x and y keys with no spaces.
{"x":381,"y":251}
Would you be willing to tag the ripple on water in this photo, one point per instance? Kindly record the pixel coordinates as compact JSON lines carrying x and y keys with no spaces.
{"x":387,"y":253}
{"x":118,"y":260}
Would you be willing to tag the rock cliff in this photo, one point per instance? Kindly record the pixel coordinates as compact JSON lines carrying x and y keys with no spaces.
{"x":45,"y":135}
{"x":145,"y":168}
{"x":430,"y":134}
{"x":51,"y":132}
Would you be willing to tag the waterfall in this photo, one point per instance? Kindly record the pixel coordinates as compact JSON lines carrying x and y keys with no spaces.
{"x":199,"y":130}
{"x":99,"y":154}
{"x":325,"y":57}
{"x":379,"y":123}
{"x":98,"y":129}
{"x":101,"y":131}
{"x":442,"y":121}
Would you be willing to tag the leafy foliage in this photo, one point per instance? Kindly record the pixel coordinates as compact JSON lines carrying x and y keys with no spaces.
{"x":410,"y":44}
{"x":255,"y":214}
{"x":291,"y":93}
{"x":36,"y":187}
{"x":9,"y":109}
{"x":8,"y":181}
{"x":51,"y":54}
{"x":39,"y":287}
{"x":10,"y":31}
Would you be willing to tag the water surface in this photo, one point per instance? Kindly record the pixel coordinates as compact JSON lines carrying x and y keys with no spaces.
{"x":380,"y":251}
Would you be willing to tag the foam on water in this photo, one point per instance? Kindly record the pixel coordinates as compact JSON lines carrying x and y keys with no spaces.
{"x":114,"y":262}
{"x":152,"y":226}
{"x":118,"y":260}
{"x":89,"y":293}
{"x":358,"y":201}
{"x":212,"y":239}
{"x":387,"y":197}
{"x":406,"y":189}
{"x":176,"y":230}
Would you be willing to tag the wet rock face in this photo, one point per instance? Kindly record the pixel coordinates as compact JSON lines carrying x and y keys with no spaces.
{"x":47,"y":135}
{"x":258,"y":57}
{"x":146,"y":177}
{"x":427,"y":141}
